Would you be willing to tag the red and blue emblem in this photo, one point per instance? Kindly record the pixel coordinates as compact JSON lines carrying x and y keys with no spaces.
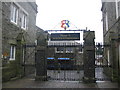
{"x":65,"y":24}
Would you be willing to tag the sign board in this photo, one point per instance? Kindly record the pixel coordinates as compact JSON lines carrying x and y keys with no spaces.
{"x":63,"y":58}
{"x":65,"y":36}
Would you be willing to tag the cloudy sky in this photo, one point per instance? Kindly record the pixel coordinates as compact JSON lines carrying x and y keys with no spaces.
{"x":80,"y":13}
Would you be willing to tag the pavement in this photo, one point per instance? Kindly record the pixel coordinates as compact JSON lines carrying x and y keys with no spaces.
{"x":28,"y":82}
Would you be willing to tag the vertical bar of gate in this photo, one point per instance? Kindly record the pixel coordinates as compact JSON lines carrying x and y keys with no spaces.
{"x":74,"y":68}
{"x":64,"y":50}
{"x":24,"y":59}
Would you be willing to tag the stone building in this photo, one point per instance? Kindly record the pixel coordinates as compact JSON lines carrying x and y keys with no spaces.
{"x":18,"y":32}
{"x":111,"y":34}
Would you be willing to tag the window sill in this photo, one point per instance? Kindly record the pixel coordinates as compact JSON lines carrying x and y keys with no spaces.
{"x":23,"y":28}
{"x":13,"y":22}
{"x":11,"y":59}
{"x":80,"y":52}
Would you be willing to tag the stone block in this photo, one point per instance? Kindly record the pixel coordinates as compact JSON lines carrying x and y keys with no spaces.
{"x":113,"y":36}
{"x":12,"y":41}
{"x":89,"y":35}
{"x":41,"y":65}
{"x":41,"y":78}
{"x":89,"y":57}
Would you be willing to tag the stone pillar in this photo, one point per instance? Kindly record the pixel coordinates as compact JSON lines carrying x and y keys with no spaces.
{"x":114,"y":55}
{"x":89,"y":57}
{"x":40,"y":58}
{"x":19,"y":57}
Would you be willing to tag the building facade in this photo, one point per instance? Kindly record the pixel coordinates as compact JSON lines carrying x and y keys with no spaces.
{"x":111,"y":34}
{"x":18,"y":31}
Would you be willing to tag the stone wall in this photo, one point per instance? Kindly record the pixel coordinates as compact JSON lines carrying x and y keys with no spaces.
{"x":111,"y":37}
{"x":14,"y":34}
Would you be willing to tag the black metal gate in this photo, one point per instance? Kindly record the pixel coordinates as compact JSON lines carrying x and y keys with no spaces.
{"x":63,"y":63}
{"x":69,"y":66}
{"x":72,"y":61}
{"x":65,"y":60}
{"x":103,"y":70}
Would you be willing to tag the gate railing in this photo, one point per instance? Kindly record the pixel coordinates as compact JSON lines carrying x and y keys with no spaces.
{"x":76,"y":73}
{"x":101,"y":63}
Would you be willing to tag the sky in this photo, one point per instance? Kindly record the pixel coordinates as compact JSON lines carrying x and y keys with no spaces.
{"x":80,"y":13}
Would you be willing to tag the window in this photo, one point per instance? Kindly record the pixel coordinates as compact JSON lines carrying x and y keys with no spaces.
{"x":24,"y":16}
{"x":81,"y":50}
{"x":59,"y":50}
{"x":14,"y":13}
{"x":108,"y":57}
{"x":69,"y":50}
{"x":12,"y":52}
{"x":116,"y":9}
{"x":64,"y":50}
{"x":106,"y":21}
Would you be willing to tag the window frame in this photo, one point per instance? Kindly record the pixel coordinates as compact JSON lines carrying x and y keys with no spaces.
{"x":69,"y":50}
{"x":14,"y":13}
{"x":12,"y":52}
{"x":116,"y":5}
{"x":108,"y":57}
{"x":24,"y":21}
{"x":59,"y":51}
{"x":106,"y":21}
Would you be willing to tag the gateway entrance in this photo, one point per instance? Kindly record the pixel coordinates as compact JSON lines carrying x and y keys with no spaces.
{"x":64,"y":57}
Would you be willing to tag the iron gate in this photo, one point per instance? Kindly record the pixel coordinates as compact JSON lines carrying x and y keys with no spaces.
{"x":103,"y":69}
{"x":63,"y":64}
{"x":70,"y":67}
{"x":65,"y":60}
